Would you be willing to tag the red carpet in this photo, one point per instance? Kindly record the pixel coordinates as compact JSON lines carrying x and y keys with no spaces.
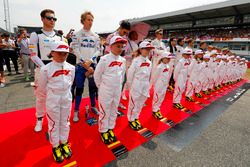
{"x":21,"y":146}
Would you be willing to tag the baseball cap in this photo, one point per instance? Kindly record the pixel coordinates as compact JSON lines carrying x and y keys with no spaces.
{"x":159,"y":31}
{"x":206,"y":56}
{"x":213,"y":52}
{"x":219,"y":57}
{"x":116,"y":39}
{"x":146,"y":44}
{"x":224,"y":49}
{"x":167,"y":55}
{"x":187,"y":51}
{"x":60,"y":46}
{"x":198,"y":52}
{"x":224,"y":57}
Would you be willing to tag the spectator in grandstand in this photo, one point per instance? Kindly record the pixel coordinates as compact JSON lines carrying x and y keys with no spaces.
{"x":23,"y":43}
{"x":9,"y":53}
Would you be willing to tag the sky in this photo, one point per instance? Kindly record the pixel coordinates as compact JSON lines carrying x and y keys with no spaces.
{"x":107,"y":13}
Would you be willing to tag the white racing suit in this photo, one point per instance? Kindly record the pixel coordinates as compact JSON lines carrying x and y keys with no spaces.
{"x":205,"y":76}
{"x":108,"y":76}
{"x":55,"y":82}
{"x":39,"y":46}
{"x":138,"y":81}
{"x":243,"y":69}
{"x":218,"y":72}
{"x":213,"y":75}
{"x":221,"y":72}
{"x":160,"y":80}
{"x":180,"y":77}
{"x":194,"y":80}
{"x":159,"y":48}
{"x":226,"y":72}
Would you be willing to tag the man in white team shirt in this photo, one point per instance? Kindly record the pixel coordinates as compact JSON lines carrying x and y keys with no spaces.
{"x":160,"y":47}
{"x":40,"y":42}
{"x":86,"y":47}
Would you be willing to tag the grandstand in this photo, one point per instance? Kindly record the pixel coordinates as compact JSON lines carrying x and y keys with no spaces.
{"x":224,"y":24}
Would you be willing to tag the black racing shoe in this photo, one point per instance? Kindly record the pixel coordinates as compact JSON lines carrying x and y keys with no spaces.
{"x":133,"y":125}
{"x":66,"y":151}
{"x":57,"y":154}
{"x":105,"y":137}
{"x":198,"y":95}
{"x":112,"y":137}
{"x":157,"y":115}
{"x":190,"y":99}
{"x":139,"y":126}
{"x":178,"y":106}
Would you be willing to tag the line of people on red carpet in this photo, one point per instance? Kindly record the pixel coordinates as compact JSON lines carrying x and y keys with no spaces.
{"x":126,"y":65}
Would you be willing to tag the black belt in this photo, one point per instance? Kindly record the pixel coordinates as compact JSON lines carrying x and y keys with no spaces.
{"x":25,"y":54}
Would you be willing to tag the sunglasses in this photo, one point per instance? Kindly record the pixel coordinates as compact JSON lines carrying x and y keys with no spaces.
{"x":51,"y":18}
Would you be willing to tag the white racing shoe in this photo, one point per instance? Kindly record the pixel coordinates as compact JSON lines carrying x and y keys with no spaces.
{"x":39,"y":125}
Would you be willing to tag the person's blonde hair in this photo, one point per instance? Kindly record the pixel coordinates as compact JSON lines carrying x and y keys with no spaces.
{"x":84,"y":16}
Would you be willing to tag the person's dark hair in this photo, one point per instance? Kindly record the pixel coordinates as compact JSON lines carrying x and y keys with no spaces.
{"x":43,"y":13}
{"x":6,"y":34}
{"x":130,"y":34}
{"x":60,"y":32}
{"x":21,"y":30}
{"x":190,"y":41}
{"x":171,"y":47}
{"x":202,"y":42}
{"x":179,"y":40}
{"x":125,"y":24}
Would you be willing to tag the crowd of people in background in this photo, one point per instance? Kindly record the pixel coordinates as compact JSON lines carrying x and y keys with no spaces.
{"x":112,"y":66}
{"x":211,"y":34}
